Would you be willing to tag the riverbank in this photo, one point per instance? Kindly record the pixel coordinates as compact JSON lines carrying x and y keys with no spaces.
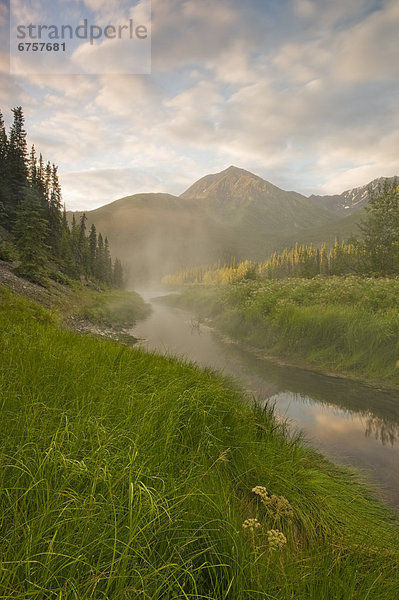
{"x":84,"y":307}
{"x":342,"y":326}
{"x":126,"y":474}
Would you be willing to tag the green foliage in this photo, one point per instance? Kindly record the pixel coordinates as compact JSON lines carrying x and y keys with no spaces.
{"x":116,"y":309}
{"x":31,"y":231}
{"x":128,"y":475}
{"x":377,"y":253}
{"x":55,"y":214}
{"x":16,"y":168}
{"x":8,"y":251}
{"x":348,"y":325}
{"x":381,"y":231}
{"x":3,"y":172}
{"x":118,"y":278}
{"x":301,"y":261}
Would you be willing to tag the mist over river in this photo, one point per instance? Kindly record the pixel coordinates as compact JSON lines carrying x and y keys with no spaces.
{"x":351,"y":423}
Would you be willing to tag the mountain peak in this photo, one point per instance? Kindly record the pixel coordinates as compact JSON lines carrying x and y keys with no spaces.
{"x":236,"y":188}
{"x":234,"y":169}
{"x":231,"y":183}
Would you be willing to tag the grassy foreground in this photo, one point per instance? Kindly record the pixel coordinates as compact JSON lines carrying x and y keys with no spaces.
{"x":127,"y":475}
{"x":342,"y":324}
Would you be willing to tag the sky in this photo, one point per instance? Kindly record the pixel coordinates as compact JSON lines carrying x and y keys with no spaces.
{"x":304,"y":93}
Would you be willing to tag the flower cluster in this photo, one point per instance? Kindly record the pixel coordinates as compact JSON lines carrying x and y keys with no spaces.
{"x":281,"y":507}
{"x":276,"y":539}
{"x":262,"y":492}
{"x":251,"y":524}
{"x":277,"y":505}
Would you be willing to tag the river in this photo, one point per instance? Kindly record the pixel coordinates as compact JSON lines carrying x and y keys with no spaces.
{"x":351,"y":423}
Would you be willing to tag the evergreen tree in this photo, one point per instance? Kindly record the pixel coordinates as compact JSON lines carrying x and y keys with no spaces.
{"x":31,"y":209}
{"x":66,"y":253}
{"x":33,"y":168}
{"x":100,"y":262}
{"x":3,"y":172}
{"x":17,"y":168}
{"x":107,"y":263}
{"x":92,"y":249}
{"x":65,"y":226}
{"x":381,"y":231}
{"x":74,"y":241}
{"x":118,"y":279}
{"x":83,"y":247}
{"x":47,"y":177}
{"x":55,"y":214}
{"x":323,"y":260}
{"x":30,"y":234}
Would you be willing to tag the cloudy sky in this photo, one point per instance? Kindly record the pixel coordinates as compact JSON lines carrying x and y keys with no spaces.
{"x":304,"y":93}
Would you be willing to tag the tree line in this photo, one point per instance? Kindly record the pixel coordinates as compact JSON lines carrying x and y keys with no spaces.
{"x":374,"y":253}
{"x":32,"y":212}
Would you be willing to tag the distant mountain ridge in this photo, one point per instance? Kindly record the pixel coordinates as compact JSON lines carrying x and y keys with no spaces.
{"x":229,"y":214}
{"x":352,"y":200}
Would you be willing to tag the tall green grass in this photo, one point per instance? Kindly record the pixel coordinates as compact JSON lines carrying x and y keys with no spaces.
{"x":343,"y":324}
{"x":127,"y":475}
{"x":115,"y":308}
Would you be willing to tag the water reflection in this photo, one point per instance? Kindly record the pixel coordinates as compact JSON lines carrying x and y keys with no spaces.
{"x":387,"y":433}
{"x":351,"y":422}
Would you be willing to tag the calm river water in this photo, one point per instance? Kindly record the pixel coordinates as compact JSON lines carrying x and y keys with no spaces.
{"x":351,"y":423}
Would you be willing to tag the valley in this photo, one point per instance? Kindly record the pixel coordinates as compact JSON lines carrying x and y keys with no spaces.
{"x":229,"y":215}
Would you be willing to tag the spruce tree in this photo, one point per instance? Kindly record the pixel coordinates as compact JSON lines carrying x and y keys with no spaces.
{"x":3,"y":173}
{"x":66,"y":253}
{"x":65,"y":226}
{"x":118,"y":280}
{"x":100,"y":262}
{"x":47,"y":177}
{"x":33,"y":168}
{"x":17,"y":167}
{"x":381,"y":231}
{"x":30,"y":233}
{"x":92,"y":249}
{"x":82,"y":247}
{"x":74,"y":237}
{"x":107,"y":263}
{"x":55,"y":214}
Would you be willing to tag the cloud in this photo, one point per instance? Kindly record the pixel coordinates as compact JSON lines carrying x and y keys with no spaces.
{"x":81,"y":88}
{"x":304,"y":92}
{"x":325,"y":15}
{"x":96,"y":187}
{"x":186,"y":31}
{"x":26,"y":12}
{"x":4,"y":15}
{"x":93,"y":188}
{"x":124,"y":95}
{"x":370,"y":52}
{"x":11,"y":92}
{"x":194,"y":113}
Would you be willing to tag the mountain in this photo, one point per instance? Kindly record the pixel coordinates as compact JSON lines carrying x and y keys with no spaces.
{"x":233,"y":187}
{"x":229,"y":214}
{"x":241,"y":198}
{"x":353,"y":200}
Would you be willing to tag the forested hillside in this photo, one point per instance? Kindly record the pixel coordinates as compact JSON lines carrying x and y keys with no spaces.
{"x":375,"y":252}
{"x":33,"y":226}
{"x":229,"y":216}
